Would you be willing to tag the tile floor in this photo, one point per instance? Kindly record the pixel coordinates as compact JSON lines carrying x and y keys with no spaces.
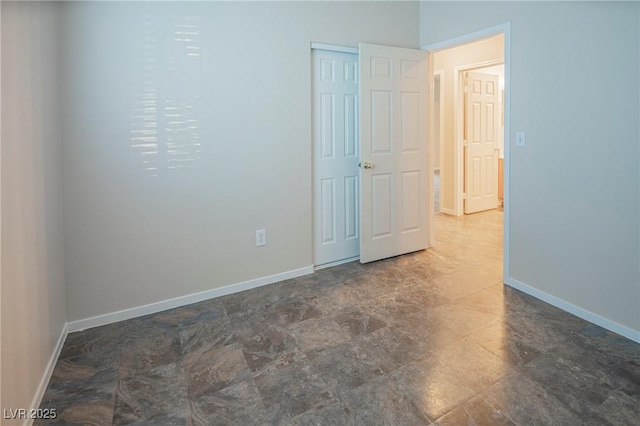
{"x":426,"y":338}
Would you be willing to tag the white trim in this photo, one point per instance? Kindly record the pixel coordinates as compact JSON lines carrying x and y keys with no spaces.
{"x":430,"y":150}
{"x":506,"y":145}
{"x":610,"y":325}
{"x":334,"y":48}
{"x":465,"y":39}
{"x":447,"y":211}
{"x":458,"y":146}
{"x":468,"y":38}
{"x":336,"y":263}
{"x":152,"y":308}
{"x":48,"y":372}
{"x":440,"y":141}
{"x":479,"y":65}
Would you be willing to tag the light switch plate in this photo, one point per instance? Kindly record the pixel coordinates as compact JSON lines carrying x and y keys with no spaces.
{"x":520,"y":139}
{"x":261,"y":237}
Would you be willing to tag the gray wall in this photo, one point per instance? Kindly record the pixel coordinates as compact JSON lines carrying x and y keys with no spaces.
{"x":33,"y":294}
{"x":236,"y":78}
{"x":575,"y":186}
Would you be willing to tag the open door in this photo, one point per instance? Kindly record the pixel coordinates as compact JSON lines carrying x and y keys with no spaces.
{"x":481,"y":142}
{"x":393,"y":152}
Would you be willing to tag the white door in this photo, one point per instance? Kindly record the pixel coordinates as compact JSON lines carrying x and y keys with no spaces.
{"x":481,"y":150}
{"x":335,"y":134}
{"x":393,"y":151}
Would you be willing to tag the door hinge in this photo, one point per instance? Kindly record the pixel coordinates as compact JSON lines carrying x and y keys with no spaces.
{"x":464,"y":195}
{"x":464,"y":142}
{"x":466,"y":89}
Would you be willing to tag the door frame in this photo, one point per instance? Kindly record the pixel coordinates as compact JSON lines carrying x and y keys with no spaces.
{"x":440,"y":141}
{"x":458,"y":130}
{"x":504,"y":29}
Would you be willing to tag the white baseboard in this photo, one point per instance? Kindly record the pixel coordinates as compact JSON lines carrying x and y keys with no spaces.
{"x":610,"y":325}
{"x":447,"y":211}
{"x":46,"y":376}
{"x":152,"y":308}
{"x":336,"y":263}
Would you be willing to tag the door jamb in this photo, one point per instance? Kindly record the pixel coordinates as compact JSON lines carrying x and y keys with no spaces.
{"x":441,"y":138}
{"x":458,"y":130}
{"x":465,"y":39}
{"x":334,"y":47}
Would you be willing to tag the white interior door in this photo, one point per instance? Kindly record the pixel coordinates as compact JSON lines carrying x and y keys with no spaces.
{"x":335,"y":133}
{"x":393,"y":152}
{"x":481,"y":150}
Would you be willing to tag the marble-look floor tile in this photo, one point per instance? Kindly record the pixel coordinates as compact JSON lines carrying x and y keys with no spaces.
{"x":333,"y":298}
{"x":382,"y":402}
{"x":318,"y":333}
{"x":528,"y":403}
{"x":88,"y":409}
{"x":264,"y":344}
{"x":489,"y":299}
{"x":431,"y":336}
{"x":357,"y":321}
{"x":157,"y":348}
{"x":291,"y":310}
{"x":475,"y":412}
{"x":325,"y":415}
{"x":415,"y":338}
{"x":353,"y":363}
{"x":433,"y":388}
{"x":506,"y":343}
{"x":380,"y":278}
{"x":472,"y":363}
{"x":466,"y":281}
{"x":209,"y":334}
{"x":238,"y":404}
{"x":401,"y":305}
{"x":212,"y":369}
{"x":617,"y":369}
{"x":532,"y":331}
{"x":618,"y":409}
{"x":157,"y":396}
{"x":577,"y":385}
{"x":291,"y":390}
{"x":105,"y":341}
{"x":82,"y":390}
{"x":606,"y":341}
{"x":185,"y":316}
{"x":462,"y":318}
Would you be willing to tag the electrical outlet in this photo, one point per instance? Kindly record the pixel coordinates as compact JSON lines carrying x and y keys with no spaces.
{"x":520,"y":139}
{"x":261,"y":237}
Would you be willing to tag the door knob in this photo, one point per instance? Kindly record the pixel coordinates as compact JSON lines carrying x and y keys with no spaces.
{"x":367,"y":165}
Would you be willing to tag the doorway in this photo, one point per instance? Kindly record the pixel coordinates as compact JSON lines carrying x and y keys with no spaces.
{"x":450,"y":60}
{"x":480,"y":110}
{"x":471,"y":132}
{"x":369,"y":110}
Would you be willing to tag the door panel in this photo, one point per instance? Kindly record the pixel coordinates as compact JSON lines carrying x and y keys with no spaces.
{"x":393,"y":207}
{"x":351,"y":185}
{"x":335,"y":156}
{"x":328,"y":203}
{"x":381,"y":205}
{"x":411,"y":211}
{"x":381,"y":122}
{"x":481,"y":156}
